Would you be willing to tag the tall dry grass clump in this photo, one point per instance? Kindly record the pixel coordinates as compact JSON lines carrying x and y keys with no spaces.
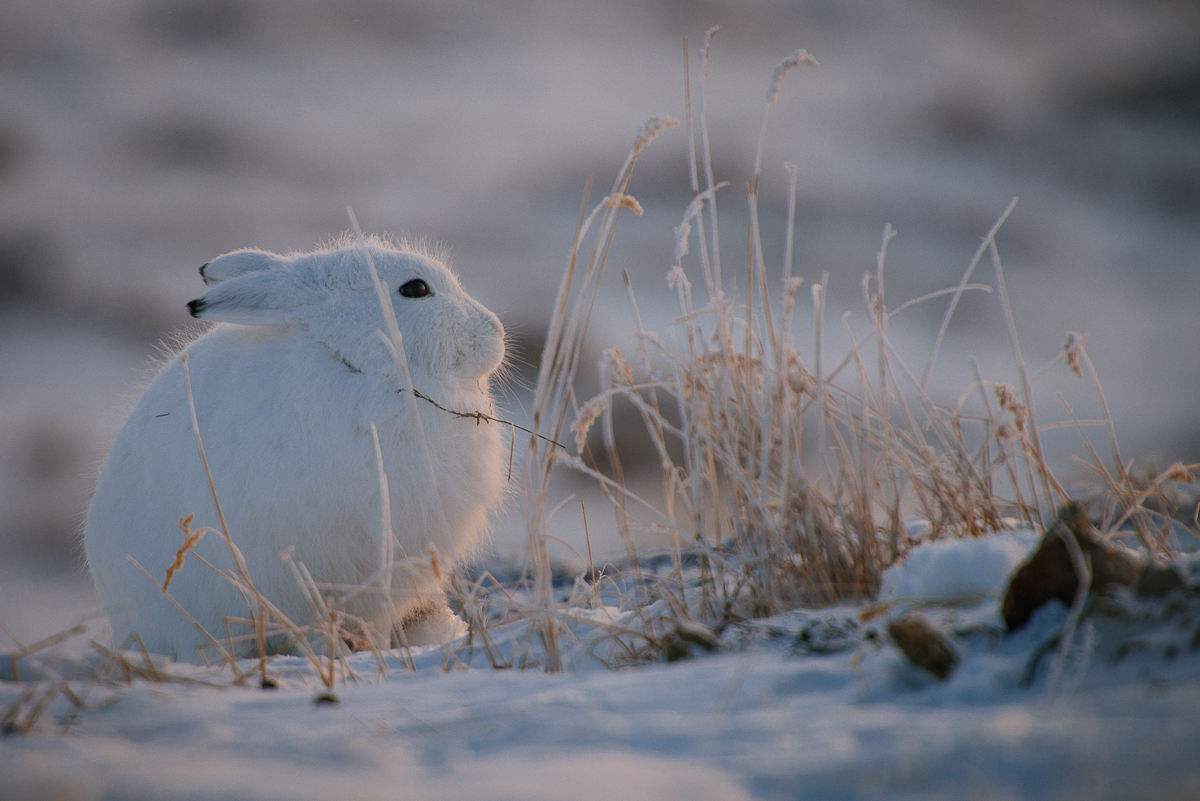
{"x":787,"y":479}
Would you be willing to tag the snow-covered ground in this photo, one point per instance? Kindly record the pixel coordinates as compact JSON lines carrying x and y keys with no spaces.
{"x":811,"y":704}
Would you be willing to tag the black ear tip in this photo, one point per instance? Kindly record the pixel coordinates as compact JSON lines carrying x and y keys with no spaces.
{"x":195,"y":307}
{"x":204,"y":267}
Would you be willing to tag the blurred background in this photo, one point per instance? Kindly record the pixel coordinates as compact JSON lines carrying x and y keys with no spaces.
{"x":141,"y":138}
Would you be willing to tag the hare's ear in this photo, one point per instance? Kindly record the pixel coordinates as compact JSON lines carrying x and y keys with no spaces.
{"x":262,"y":297}
{"x":240,"y":262}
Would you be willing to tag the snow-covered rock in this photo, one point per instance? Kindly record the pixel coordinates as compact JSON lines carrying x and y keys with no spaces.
{"x":962,"y":570}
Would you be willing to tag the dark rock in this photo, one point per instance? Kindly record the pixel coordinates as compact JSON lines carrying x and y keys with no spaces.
{"x":678,"y":645}
{"x":924,"y":645}
{"x":828,"y":635}
{"x":1050,"y":573}
{"x":675,"y":650}
{"x":1159,"y":580}
{"x":696,"y":634}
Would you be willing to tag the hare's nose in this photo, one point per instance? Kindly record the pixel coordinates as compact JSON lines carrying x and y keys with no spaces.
{"x":497,"y":326}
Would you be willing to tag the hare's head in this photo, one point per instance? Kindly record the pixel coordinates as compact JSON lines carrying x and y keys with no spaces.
{"x":327,"y":295}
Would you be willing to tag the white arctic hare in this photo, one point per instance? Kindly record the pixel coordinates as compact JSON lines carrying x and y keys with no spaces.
{"x":286,"y":388}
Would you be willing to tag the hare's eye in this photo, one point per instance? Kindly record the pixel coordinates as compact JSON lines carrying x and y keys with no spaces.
{"x":415,"y":288}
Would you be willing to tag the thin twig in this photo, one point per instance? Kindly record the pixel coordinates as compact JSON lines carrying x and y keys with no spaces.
{"x":484,"y":417}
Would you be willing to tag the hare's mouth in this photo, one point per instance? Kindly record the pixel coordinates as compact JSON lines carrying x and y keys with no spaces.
{"x":479,"y":361}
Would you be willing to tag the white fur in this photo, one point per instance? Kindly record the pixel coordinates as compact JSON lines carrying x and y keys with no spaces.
{"x":286,"y":388}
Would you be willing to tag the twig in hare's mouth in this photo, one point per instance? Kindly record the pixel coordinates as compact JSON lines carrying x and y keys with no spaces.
{"x":484,"y":417}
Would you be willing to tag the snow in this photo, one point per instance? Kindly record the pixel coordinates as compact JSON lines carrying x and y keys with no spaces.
{"x":950,"y":569}
{"x":781,"y":711}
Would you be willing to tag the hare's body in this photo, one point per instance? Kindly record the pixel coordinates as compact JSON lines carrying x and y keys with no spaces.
{"x":285,"y":412}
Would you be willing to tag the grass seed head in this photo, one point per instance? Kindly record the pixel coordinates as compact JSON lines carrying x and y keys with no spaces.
{"x":626,"y":201}
{"x":615,"y":369}
{"x":800,"y":380}
{"x":588,"y":415}
{"x":1072,"y":348}
{"x":1179,"y":472}
{"x":653,"y":127}
{"x":794,"y":60}
{"x":1006,"y":395}
{"x":681,"y":241}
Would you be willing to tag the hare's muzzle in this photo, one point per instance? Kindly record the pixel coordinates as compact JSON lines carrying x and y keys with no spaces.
{"x":483,"y":349}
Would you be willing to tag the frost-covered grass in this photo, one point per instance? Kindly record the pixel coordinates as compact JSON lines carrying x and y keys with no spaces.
{"x":787,"y":479}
